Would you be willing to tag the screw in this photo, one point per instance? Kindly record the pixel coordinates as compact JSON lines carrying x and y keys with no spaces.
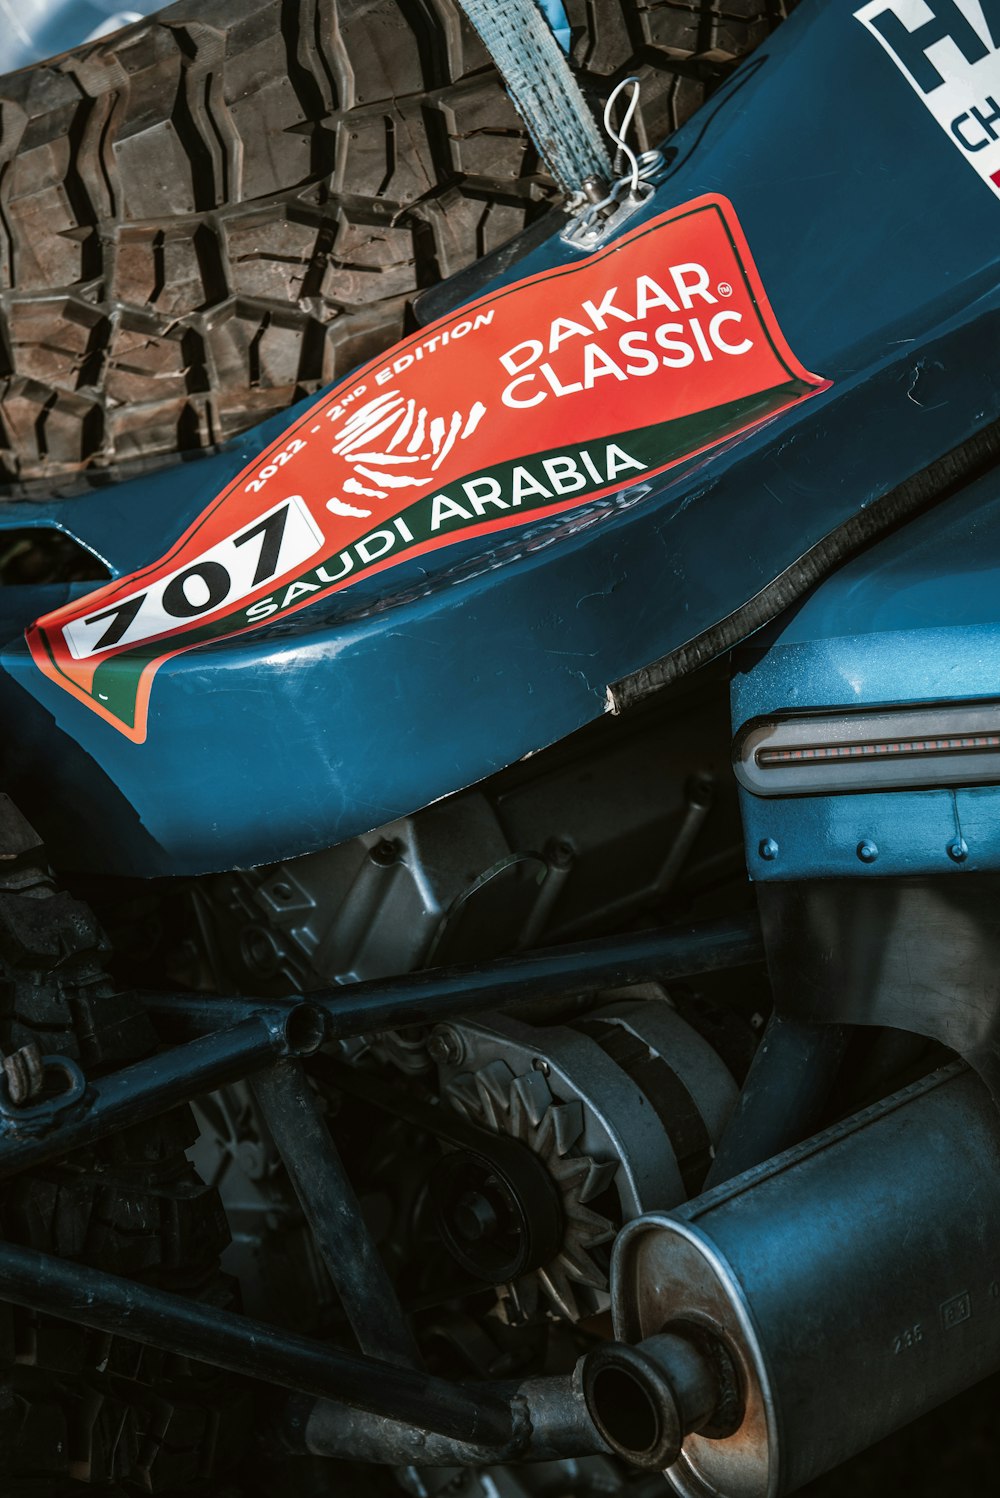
{"x":867,"y":851}
{"x":560,"y":853}
{"x":540,"y":1064}
{"x":446,"y":1047}
{"x":768,"y":849}
{"x":385,"y":852}
{"x":259,"y":950}
{"x":700,"y":791}
{"x":958,"y":850}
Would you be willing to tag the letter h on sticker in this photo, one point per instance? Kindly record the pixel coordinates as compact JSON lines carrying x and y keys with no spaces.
{"x":947,"y":23}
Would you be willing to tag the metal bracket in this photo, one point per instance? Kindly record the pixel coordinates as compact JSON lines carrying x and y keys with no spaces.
{"x":39,"y":1117}
{"x":589,"y":231}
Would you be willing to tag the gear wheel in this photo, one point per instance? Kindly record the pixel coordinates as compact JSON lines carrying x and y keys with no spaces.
{"x":525,"y":1108}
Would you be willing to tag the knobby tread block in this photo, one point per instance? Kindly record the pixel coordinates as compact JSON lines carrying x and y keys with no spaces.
{"x":220,"y":209}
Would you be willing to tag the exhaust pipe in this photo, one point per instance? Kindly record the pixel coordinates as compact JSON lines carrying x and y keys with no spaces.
{"x":788,"y":1319}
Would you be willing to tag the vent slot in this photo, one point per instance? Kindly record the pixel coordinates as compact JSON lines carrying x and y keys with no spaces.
{"x":906,"y":748}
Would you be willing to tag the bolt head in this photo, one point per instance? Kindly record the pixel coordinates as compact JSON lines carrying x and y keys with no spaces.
{"x":384,"y":853}
{"x":561,"y":853}
{"x":958,"y":850}
{"x":867,"y":851}
{"x":768,"y":849}
{"x":445,"y":1047}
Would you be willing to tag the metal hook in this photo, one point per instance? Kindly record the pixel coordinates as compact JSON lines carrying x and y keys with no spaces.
{"x":619,"y":137}
{"x":610,"y":207}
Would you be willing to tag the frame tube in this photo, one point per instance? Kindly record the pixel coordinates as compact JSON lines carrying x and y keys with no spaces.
{"x":296,"y":1123}
{"x":427,"y":998}
{"x":156,"y":1085}
{"x":479,"y":1413}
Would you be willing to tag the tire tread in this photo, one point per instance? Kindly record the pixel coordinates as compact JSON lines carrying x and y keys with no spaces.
{"x":225,"y":207}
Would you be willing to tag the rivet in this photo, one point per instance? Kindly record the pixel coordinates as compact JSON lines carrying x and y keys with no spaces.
{"x":958,"y":850}
{"x":867,"y":851}
{"x":768,"y":849}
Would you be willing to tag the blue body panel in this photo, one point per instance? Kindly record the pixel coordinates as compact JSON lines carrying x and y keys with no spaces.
{"x":916,"y":619}
{"x":879,"y":248}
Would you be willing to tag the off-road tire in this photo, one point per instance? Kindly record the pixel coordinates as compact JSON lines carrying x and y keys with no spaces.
{"x":80,"y":1410}
{"x":225,"y":207}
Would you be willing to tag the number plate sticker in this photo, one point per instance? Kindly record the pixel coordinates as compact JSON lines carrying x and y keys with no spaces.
{"x":576,"y":383}
{"x":280,"y":541}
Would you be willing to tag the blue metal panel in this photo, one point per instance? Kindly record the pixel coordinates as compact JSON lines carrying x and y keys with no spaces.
{"x":879,"y":248}
{"x":914,"y":620}
{"x":33,"y":29}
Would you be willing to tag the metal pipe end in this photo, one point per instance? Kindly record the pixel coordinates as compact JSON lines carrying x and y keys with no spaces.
{"x":303,"y":1030}
{"x":645,"y":1399}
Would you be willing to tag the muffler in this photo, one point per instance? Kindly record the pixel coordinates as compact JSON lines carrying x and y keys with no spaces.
{"x":795,"y":1315}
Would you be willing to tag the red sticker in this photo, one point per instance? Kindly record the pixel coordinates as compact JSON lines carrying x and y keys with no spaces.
{"x":572,"y":384}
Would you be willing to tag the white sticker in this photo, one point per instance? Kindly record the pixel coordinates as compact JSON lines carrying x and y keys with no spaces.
{"x":276,"y":543}
{"x":949,"y":50}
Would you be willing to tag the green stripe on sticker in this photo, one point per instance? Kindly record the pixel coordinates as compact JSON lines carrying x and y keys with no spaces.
{"x":531,"y":486}
{"x":575,"y":383}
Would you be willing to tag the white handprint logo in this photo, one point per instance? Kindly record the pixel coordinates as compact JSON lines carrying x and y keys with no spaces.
{"x":389,"y":440}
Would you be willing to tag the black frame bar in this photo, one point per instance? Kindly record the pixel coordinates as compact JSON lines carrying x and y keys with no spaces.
{"x":237,"y":1037}
{"x":295,"y":1121}
{"x":478,"y":1413}
{"x":159,"y":1083}
{"x":436,"y":994}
